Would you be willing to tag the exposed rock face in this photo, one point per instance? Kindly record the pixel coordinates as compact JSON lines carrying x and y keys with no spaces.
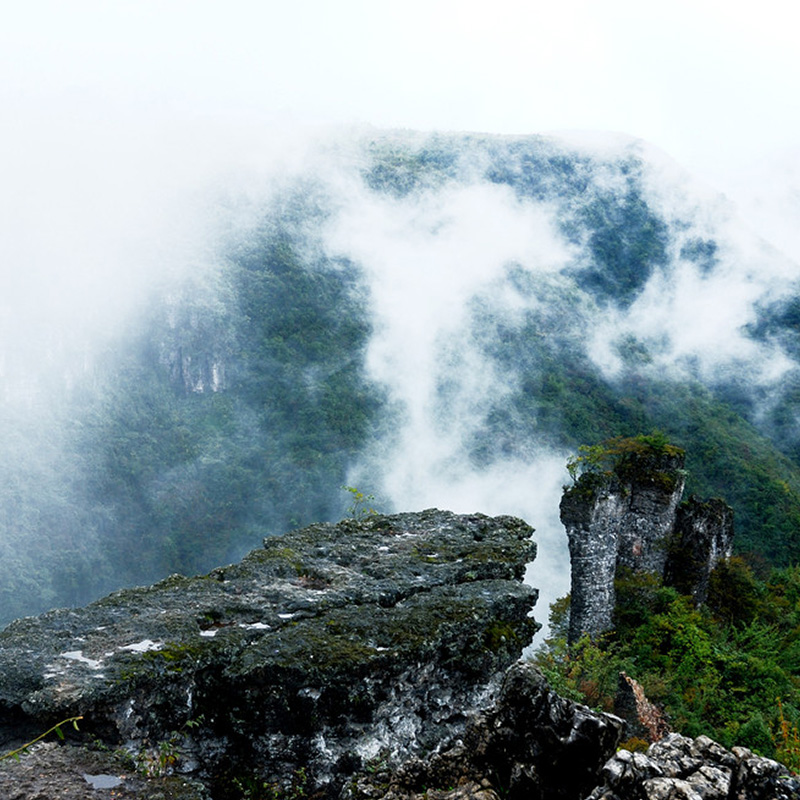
{"x":643,"y":719}
{"x":592,"y":524}
{"x":531,"y":744}
{"x":66,"y":772}
{"x":677,"y":768}
{"x":615,"y":520}
{"x":329,"y":647}
{"x":630,"y":518}
{"x":703,"y":537}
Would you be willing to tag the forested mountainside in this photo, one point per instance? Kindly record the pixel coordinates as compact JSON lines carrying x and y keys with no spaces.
{"x":408,"y":314}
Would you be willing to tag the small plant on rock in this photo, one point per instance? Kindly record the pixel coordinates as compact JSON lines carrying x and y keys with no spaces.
{"x":55,"y":729}
{"x":360,"y":503}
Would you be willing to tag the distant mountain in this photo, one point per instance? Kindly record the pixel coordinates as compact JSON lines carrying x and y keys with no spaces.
{"x":438,"y":319}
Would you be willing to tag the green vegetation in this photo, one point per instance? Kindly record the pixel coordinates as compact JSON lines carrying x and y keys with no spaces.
{"x":644,"y":459}
{"x":360,"y":504}
{"x":235,"y":412}
{"x":160,"y":760}
{"x":238,"y":404}
{"x":627,"y":243}
{"x":730,"y":669}
{"x":562,"y":399}
{"x":17,"y":752}
{"x":400,"y":170}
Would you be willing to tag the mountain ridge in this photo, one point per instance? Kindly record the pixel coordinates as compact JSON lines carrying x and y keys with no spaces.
{"x":425,"y":316}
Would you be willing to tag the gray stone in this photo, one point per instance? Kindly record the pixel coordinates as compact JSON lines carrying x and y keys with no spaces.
{"x":530,"y":744}
{"x":679,"y":768}
{"x":626,"y":771}
{"x":703,"y":537}
{"x":669,"y":789}
{"x":328,"y":647}
{"x":677,"y":755}
{"x":714,"y":752}
{"x":644,"y":720}
{"x":630,"y":519}
{"x":711,"y":782}
{"x":758,"y":778}
{"x":623,"y":518}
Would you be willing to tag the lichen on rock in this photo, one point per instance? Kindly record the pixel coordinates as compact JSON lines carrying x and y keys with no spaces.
{"x":326,"y":647}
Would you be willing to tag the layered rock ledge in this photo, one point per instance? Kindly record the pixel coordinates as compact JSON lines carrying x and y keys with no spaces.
{"x":328,"y":649}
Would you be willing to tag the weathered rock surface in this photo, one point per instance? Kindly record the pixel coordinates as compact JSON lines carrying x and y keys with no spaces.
{"x":369,"y":660}
{"x":703,"y":537}
{"x":530,"y":744}
{"x":622,"y":518}
{"x":53,"y":771}
{"x":678,"y":768}
{"x":330,"y":648}
{"x":630,"y":518}
{"x":643,"y":719}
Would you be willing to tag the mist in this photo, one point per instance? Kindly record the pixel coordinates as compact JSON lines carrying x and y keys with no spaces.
{"x":427,"y":256}
{"x":470,"y":264}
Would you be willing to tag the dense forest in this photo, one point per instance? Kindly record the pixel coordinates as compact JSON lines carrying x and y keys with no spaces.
{"x":241,"y":398}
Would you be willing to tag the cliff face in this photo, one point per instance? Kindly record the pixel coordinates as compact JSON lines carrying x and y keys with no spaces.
{"x":631,"y":518}
{"x":328,"y":647}
{"x":703,"y":536}
{"x":592,"y":523}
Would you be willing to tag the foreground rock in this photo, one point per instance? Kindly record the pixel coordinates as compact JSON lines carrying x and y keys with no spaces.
{"x":51,"y":771}
{"x":369,"y":660}
{"x":331,"y":648}
{"x":529,"y":744}
{"x":677,"y":768}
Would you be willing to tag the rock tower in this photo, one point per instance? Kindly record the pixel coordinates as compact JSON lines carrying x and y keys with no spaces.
{"x":626,"y":512}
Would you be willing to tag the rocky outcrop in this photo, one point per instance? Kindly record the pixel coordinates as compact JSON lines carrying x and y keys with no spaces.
{"x":703,"y":537}
{"x":678,"y":768}
{"x":369,"y":660}
{"x":530,"y":744}
{"x":619,"y":518}
{"x":330,"y":648}
{"x":630,"y":517}
{"x":643,"y":719}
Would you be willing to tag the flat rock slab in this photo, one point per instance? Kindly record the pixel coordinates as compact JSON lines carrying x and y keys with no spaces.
{"x":75,"y":773}
{"x":346,"y":640}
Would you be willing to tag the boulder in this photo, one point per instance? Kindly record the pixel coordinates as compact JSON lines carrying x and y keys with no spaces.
{"x":326,"y":650}
{"x":531,"y":744}
{"x":679,"y":768}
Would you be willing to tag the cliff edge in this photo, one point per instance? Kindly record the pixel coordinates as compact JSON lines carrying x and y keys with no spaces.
{"x":328,"y":648}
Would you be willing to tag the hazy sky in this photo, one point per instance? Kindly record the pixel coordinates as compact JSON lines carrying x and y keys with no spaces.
{"x":713,"y":82}
{"x":116,"y":113}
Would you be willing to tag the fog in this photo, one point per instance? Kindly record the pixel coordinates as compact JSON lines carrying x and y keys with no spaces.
{"x":110,"y":220}
{"x":427,"y":256}
{"x":142,"y":142}
{"x":694,"y":315}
